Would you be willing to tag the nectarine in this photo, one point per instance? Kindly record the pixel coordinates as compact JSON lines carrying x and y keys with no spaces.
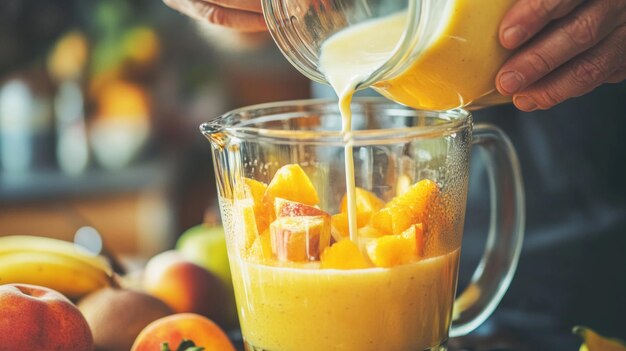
{"x":185,"y":286}
{"x":37,"y":318}
{"x":183,"y":326}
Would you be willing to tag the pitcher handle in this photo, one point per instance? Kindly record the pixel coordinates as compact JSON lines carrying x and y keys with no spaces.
{"x":493,"y":275}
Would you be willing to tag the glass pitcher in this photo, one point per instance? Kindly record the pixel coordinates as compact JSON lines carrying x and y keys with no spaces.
{"x":301,"y":282}
{"x":446,"y":57}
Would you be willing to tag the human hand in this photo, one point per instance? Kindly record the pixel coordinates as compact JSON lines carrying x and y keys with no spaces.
{"x":567,"y":48}
{"x":241,"y":15}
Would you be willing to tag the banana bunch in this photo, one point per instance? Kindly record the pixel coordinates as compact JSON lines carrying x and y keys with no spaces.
{"x":597,"y":342}
{"x":56,"y":264}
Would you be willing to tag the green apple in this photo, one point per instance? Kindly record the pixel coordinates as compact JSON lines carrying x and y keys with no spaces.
{"x":206,"y":246}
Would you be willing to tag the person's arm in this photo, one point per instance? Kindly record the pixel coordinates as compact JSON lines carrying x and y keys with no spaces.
{"x":566,"y":48}
{"x":240,"y":15}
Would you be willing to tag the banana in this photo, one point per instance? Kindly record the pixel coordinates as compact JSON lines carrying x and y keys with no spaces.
{"x":49,"y":245}
{"x":52,"y":263}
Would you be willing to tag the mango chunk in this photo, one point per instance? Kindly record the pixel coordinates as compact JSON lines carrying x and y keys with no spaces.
{"x":340,"y":225}
{"x":291,"y":183}
{"x":366,"y":201}
{"x":299,"y":239}
{"x":404,"y":210}
{"x":245,"y":225}
{"x":255,"y":190}
{"x":344,"y":254}
{"x":261,"y":249}
{"x":396,"y":249}
{"x":369,"y":232}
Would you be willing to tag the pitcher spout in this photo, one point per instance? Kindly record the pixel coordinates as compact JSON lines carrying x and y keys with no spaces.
{"x":214,"y":132}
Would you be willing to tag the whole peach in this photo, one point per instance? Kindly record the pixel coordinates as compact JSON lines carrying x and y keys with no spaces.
{"x":185,"y":286}
{"x":183,"y":326}
{"x":37,"y":318}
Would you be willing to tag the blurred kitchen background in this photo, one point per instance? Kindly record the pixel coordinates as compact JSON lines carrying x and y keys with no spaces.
{"x":100,"y":103}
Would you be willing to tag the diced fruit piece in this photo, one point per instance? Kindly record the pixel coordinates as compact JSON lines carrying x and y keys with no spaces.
{"x":300,"y":239}
{"x":254,"y":189}
{"x":340,"y":225}
{"x":291,"y":183}
{"x":396,"y":249}
{"x":244,"y":225}
{"x":381,"y":220}
{"x":407,"y":209}
{"x":403,"y":184}
{"x":344,"y":254}
{"x":262,"y":247}
{"x":416,"y":232}
{"x":366,"y":201}
{"x":286,"y":208}
{"x":369,"y":232}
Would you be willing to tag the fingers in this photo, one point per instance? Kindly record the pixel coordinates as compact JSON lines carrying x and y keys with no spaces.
{"x":603,"y":63}
{"x":246,"y":5}
{"x":527,"y":17}
{"x":569,"y":37}
{"x":617,"y":77}
{"x":250,"y":20}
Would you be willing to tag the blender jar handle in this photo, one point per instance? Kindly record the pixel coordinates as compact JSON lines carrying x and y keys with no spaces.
{"x":506,"y":231}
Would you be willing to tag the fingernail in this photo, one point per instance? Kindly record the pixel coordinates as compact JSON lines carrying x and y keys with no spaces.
{"x":511,"y":82}
{"x":525,"y":103}
{"x":513,"y":36}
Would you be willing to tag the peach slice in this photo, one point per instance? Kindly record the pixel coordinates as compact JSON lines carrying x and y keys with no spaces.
{"x":244,"y":223}
{"x":369,"y":232}
{"x":340,"y":227}
{"x":261,"y":249}
{"x":418,"y":231}
{"x":299,"y":239}
{"x":286,"y":208}
{"x":406,"y":209}
{"x":344,"y":254}
{"x":291,"y":183}
{"x":255,"y":189}
{"x":366,"y":201}
{"x":397,"y":249}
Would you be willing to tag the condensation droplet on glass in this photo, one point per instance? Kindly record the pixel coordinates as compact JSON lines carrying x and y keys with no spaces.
{"x":423,"y":155}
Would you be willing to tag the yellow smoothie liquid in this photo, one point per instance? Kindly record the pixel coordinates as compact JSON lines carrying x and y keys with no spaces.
{"x":403,"y":308}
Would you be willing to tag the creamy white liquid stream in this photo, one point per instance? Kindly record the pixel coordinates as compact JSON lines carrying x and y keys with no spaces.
{"x":347,"y":59}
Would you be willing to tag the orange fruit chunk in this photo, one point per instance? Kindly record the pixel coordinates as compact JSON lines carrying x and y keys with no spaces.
{"x":344,"y":254}
{"x":418,"y":231}
{"x":396,"y":249}
{"x":291,"y":183}
{"x":369,"y":232}
{"x":245,"y":225}
{"x":406,"y":209}
{"x":262,"y":247}
{"x":299,"y":239}
{"x":366,"y":201}
{"x":255,"y":189}
{"x":340,"y":225}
